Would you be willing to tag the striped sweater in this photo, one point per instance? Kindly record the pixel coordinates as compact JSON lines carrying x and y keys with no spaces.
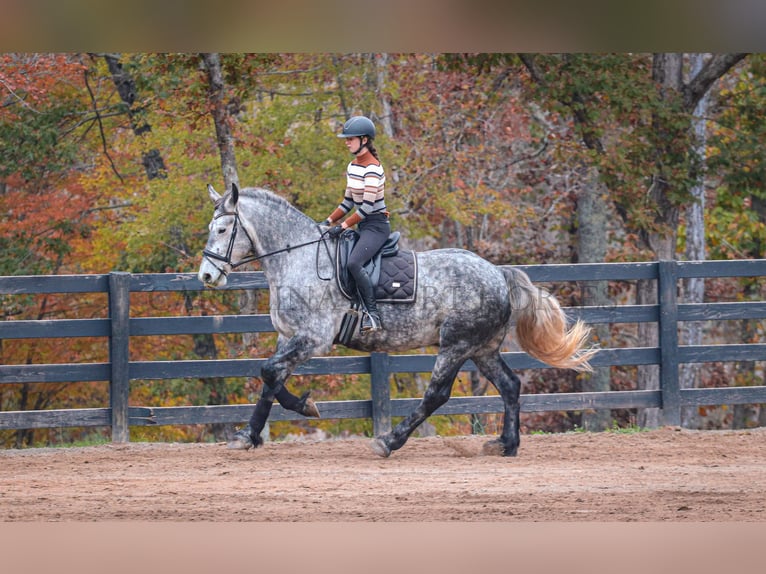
{"x":365,"y":190}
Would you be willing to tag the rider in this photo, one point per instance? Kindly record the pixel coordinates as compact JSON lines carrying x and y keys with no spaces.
{"x":365,"y":187}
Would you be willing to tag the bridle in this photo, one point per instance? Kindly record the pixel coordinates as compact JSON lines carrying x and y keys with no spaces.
{"x":226,"y":259}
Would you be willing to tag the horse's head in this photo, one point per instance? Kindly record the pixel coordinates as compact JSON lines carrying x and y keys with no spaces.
{"x":227,"y":242}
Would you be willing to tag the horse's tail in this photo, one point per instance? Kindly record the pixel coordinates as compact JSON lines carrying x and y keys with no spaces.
{"x":541,"y":325}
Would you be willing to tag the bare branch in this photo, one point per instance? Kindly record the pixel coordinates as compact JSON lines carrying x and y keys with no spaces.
{"x":713,"y":69}
{"x":101,"y":127}
{"x":15,"y":98}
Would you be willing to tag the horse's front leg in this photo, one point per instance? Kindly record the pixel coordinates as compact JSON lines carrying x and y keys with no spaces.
{"x":290,"y":353}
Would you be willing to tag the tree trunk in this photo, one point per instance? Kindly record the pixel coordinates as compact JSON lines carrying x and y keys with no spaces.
{"x":338,"y":65}
{"x":694,"y":287}
{"x":592,"y":218}
{"x":648,"y":376}
{"x":221,"y":118}
{"x":225,"y":140}
{"x":386,"y":116}
{"x":23,"y":435}
{"x":126,"y":87}
{"x":217,"y":388}
{"x":204,"y":348}
{"x":667,"y":73}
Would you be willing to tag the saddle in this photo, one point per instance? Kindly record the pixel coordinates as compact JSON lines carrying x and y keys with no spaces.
{"x":393,"y":272}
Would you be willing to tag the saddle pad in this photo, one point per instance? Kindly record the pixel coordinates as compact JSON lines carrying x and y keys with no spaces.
{"x":398,"y":282}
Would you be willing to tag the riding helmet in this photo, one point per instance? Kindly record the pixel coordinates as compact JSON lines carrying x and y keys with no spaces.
{"x":358,"y":126}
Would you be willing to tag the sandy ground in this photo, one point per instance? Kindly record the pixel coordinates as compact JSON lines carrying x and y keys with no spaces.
{"x":663,"y":475}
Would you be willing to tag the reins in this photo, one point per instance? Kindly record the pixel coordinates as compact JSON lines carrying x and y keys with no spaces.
{"x":250,"y":258}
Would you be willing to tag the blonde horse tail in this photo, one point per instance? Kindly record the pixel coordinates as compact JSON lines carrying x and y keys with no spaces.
{"x":541,"y":325}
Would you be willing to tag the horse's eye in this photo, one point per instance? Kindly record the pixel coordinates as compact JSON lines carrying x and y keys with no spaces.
{"x":221,"y":230}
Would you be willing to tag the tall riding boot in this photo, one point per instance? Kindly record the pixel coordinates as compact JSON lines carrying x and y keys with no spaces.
{"x":370,"y":319}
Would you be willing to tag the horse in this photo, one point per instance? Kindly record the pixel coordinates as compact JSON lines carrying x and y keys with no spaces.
{"x":465,"y":306}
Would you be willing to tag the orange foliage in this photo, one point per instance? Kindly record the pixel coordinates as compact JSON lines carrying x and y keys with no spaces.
{"x":32,"y":79}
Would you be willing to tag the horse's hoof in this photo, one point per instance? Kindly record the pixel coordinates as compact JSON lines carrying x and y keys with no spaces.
{"x":497,"y":448}
{"x":307,"y":407}
{"x":380,"y":448}
{"x":494,"y":448}
{"x":243,"y":440}
{"x":240,"y":443}
{"x":310,"y":408}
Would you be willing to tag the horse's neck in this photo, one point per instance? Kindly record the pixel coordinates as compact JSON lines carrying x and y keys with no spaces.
{"x":275,"y":226}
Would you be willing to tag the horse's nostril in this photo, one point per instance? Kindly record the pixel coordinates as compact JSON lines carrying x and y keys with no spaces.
{"x":206,"y":278}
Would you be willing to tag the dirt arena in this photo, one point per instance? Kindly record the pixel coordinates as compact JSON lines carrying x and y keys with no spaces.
{"x":663,"y":475}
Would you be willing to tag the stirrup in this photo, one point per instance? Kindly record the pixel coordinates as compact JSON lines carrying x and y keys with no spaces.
{"x":370,"y":322}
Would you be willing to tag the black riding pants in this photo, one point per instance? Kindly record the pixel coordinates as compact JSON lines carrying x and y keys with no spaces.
{"x":373,"y":232}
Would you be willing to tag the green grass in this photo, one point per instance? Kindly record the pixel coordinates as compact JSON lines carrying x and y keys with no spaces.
{"x":630,"y":429}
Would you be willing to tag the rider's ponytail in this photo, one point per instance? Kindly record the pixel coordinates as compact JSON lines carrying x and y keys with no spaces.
{"x":371,"y":147}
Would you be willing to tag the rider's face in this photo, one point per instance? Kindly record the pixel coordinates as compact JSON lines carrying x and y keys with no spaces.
{"x":354,"y":144}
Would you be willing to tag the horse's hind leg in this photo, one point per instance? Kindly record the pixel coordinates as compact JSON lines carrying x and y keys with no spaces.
{"x":509,"y":386}
{"x":290,"y":353}
{"x":438,"y":392}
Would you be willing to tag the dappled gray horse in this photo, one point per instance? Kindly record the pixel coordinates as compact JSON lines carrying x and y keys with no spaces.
{"x":465,"y":306}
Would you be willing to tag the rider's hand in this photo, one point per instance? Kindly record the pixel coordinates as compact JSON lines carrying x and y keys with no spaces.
{"x":325,"y":223}
{"x":335,"y":232}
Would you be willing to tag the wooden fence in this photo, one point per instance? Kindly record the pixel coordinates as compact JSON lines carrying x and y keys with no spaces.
{"x":119,"y":328}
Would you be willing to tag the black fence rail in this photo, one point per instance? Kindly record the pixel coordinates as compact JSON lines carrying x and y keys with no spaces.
{"x":119,"y":328}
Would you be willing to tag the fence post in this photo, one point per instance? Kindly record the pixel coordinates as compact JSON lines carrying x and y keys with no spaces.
{"x":669,"y":383}
{"x":119,"y":354}
{"x":380,"y":391}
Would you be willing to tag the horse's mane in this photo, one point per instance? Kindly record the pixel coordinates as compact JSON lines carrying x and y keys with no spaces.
{"x":268,"y":196}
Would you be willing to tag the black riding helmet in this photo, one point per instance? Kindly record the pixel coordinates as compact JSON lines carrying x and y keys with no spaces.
{"x":358,"y":126}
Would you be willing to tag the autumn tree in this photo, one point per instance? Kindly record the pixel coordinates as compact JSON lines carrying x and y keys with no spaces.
{"x":737,"y":223}
{"x":48,"y":139}
{"x":654,"y":104}
{"x":43,"y":116}
{"x":673,"y":172}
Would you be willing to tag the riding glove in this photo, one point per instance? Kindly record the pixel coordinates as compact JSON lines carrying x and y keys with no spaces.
{"x":335,"y":232}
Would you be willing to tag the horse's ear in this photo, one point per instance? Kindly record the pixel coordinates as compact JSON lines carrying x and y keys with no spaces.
{"x":214,"y":195}
{"x":234,"y":193}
